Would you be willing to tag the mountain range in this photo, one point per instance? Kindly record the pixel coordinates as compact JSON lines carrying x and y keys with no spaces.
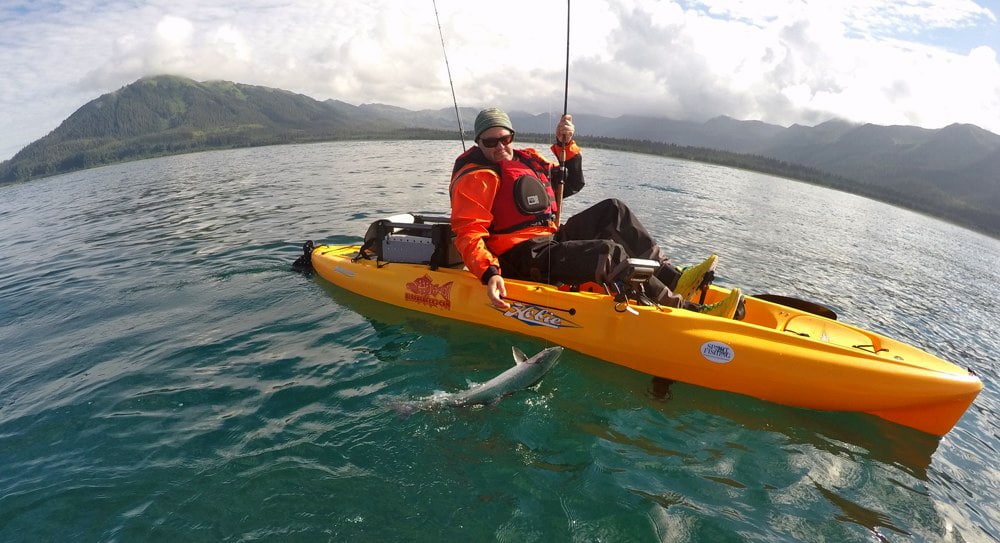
{"x":951,"y":172}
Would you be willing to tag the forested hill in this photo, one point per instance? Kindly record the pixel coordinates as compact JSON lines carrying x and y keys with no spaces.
{"x":952,"y":172}
{"x":167,"y":115}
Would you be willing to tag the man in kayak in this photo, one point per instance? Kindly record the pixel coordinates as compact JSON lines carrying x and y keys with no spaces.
{"x":503,"y":209}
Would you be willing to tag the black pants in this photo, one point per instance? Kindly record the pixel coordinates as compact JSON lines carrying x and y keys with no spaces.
{"x":588,"y":247}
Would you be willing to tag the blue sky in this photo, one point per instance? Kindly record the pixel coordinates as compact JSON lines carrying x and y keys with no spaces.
{"x":920,"y":62}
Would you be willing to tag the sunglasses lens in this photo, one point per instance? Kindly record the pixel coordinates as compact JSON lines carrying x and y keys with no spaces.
{"x":493,"y":142}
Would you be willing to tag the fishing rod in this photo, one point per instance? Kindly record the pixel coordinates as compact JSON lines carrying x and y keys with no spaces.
{"x":562,"y":158}
{"x":458,"y":116}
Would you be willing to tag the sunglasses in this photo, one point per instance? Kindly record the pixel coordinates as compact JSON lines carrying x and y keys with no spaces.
{"x":490,"y":143}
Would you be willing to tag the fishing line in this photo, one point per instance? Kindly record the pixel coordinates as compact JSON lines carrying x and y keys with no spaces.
{"x":458,"y":116}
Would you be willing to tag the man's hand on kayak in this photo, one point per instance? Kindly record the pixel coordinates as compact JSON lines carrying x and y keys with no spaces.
{"x":497,"y":291}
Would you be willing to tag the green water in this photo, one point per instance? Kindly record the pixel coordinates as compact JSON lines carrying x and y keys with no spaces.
{"x":166,"y":377}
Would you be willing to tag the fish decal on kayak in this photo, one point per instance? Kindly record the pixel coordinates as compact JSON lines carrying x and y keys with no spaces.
{"x":527,"y":372}
{"x":424,"y":291}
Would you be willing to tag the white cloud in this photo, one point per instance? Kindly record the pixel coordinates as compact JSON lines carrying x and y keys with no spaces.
{"x":924,"y":62}
{"x":797,"y":62}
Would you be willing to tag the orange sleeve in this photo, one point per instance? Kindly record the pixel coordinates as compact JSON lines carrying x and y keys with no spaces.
{"x":572,"y":149}
{"x":472,"y":195}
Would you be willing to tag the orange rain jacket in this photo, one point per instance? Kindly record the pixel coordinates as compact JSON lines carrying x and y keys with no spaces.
{"x":473,"y":192}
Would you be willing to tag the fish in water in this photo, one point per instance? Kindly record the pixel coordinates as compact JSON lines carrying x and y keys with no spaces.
{"x":526,"y":372}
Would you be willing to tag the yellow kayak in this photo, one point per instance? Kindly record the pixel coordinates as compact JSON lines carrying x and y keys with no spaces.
{"x":776,"y":353}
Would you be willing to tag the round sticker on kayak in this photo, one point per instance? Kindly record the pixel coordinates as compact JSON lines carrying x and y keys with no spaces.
{"x":718,"y":352}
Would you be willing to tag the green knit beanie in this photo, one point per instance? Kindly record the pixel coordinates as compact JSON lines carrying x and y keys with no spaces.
{"x":489,"y":118}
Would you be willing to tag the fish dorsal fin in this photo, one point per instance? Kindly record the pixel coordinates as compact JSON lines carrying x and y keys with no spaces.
{"x":519,"y":356}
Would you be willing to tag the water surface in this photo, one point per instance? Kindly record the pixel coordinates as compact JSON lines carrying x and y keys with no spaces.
{"x":166,"y":377}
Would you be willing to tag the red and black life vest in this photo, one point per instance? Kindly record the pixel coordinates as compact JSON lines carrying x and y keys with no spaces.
{"x":524,"y":196}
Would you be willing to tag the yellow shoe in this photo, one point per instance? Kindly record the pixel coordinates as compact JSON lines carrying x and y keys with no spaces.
{"x":727,"y":307}
{"x":692,"y":277}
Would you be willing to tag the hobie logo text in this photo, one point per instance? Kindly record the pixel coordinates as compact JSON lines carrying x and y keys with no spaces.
{"x":537,"y":316}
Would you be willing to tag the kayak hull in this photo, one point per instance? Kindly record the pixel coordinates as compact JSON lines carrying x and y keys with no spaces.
{"x":775,"y":353}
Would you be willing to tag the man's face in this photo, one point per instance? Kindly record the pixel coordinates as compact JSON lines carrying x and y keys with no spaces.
{"x":502,"y":151}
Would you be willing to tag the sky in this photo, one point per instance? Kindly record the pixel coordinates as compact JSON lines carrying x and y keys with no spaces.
{"x":927,"y":63}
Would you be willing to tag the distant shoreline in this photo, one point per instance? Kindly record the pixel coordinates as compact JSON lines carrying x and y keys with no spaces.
{"x":754,"y":163}
{"x":952,"y":173}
